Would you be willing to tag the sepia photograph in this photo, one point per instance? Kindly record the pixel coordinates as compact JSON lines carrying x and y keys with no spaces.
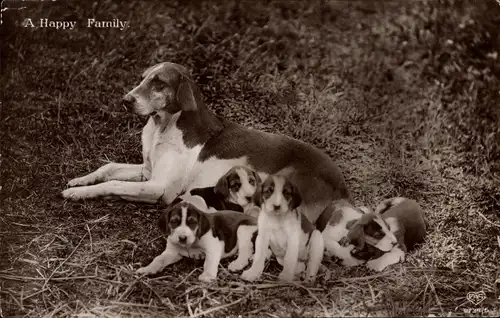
{"x":250,"y":158}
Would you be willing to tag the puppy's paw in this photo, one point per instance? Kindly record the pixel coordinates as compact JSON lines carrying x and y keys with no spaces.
{"x":309,"y":278}
{"x":249,"y":275}
{"x":236,"y":265}
{"x":287,"y":277}
{"x":376,"y":265}
{"x":147,"y":270}
{"x":206,"y":277}
{"x":350,"y":262}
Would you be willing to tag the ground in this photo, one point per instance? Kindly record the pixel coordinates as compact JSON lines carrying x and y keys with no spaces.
{"x":403,"y":95}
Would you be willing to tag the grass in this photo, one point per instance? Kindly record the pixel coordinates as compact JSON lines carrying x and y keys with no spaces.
{"x":401,"y":94}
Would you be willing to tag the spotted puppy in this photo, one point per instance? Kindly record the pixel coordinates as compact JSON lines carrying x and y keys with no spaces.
{"x":334,"y":224}
{"x":189,"y":230}
{"x":396,"y":226}
{"x":233,"y":191}
{"x":290,"y":235}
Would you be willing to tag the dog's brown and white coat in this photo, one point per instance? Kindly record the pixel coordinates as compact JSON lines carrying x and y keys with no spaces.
{"x":396,"y":226}
{"x":191,"y":231}
{"x":290,"y":235}
{"x":234,"y":191}
{"x":334,"y":224}
{"x":186,"y":146}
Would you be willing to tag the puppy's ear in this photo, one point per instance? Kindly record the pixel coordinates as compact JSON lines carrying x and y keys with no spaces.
{"x":164,"y":219}
{"x":188,"y":95}
{"x":296,"y":197}
{"x":258,"y":180}
{"x":204,"y":224}
{"x":222,"y":186}
{"x":257,"y":196}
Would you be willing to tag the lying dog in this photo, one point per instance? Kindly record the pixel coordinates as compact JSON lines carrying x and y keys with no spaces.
{"x":218,"y":235}
{"x":233,"y":191}
{"x":334,"y":224}
{"x":290,"y":235}
{"x":186,"y":146}
{"x":396,"y":226}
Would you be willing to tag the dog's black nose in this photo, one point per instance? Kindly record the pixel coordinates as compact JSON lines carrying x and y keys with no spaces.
{"x":276,"y":207}
{"x":248,"y":199}
{"x":128,"y":101}
{"x":182,"y":239}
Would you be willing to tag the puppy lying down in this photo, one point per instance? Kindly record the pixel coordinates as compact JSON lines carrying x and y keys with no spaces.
{"x":234,"y":191}
{"x":291,"y":237}
{"x":190,"y":230}
{"x":334,"y":224}
{"x":396,"y":227}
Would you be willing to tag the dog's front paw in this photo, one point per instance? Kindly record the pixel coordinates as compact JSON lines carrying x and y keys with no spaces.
{"x":74,"y":194}
{"x":249,"y":275}
{"x":206,"y":277}
{"x":236,"y":265}
{"x":376,"y":265}
{"x":147,"y":270}
{"x":82,"y":181}
{"x":287,"y":277}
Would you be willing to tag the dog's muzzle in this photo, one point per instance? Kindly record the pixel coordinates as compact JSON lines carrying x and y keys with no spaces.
{"x":128,"y":101}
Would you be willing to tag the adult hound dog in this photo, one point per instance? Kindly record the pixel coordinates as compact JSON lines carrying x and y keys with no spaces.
{"x":186,"y":146}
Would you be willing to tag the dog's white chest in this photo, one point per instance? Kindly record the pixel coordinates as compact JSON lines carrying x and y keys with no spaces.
{"x":278,"y":241}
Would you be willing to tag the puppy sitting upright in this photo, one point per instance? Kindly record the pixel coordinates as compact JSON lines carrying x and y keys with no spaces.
{"x":396,"y":226}
{"x":291,"y":236}
{"x":233,"y":191}
{"x":218,"y":235}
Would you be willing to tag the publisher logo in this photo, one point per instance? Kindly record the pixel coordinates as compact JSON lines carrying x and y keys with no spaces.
{"x":476,"y":297}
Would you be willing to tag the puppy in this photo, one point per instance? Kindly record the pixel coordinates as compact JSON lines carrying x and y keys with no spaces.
{"x":396,"y":226}
{"x":190,"y":231}
{"x":233,"y":191}
{"x":334,"y":224}
{"x":291,"y":236}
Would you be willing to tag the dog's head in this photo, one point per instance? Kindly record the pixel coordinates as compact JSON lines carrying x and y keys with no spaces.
{"x":238,"y":185}
{"x":183,"y":223}
{"x":371,"y":229}
{"x":277,"y":195}
{"x":166,"y":88}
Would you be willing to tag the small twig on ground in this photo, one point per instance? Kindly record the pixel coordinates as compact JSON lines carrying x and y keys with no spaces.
{"x":186,"y":277}
{"x":486,"y":219}
{"x":213,"y":309}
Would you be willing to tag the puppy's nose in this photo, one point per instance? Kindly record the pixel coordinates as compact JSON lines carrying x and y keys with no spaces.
{"x":128,"y":101}
{"x":276,"y":207}
{"x":248,"y":198}
{"x":182,"y":239}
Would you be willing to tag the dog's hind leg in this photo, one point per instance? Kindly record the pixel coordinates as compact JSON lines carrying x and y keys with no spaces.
{"x":245,"y":248}
{"x":316,"y":250}
{"x":113,"y":171}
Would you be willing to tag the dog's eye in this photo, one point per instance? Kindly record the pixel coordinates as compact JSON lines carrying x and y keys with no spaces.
{"x":157,"y":84}
{"x":268,"y":190}
{"x":235,"y":186}
{"x":379,"y":235}
{"x":252,"y":182}
{"x":174,"y":221}
{"x":191,"y":221}
{"x":287,"y":194}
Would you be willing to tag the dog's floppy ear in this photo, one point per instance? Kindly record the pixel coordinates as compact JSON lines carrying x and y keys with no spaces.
{"x":257,"y":196}
{"x":222,"y":186}
{"x":356,"y":233}
{"x":164,"y":219}
{"x":258,"y":180}
{"x":296,"y":197}
{"x":188,"y":94}
{"x":203,"y":224}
